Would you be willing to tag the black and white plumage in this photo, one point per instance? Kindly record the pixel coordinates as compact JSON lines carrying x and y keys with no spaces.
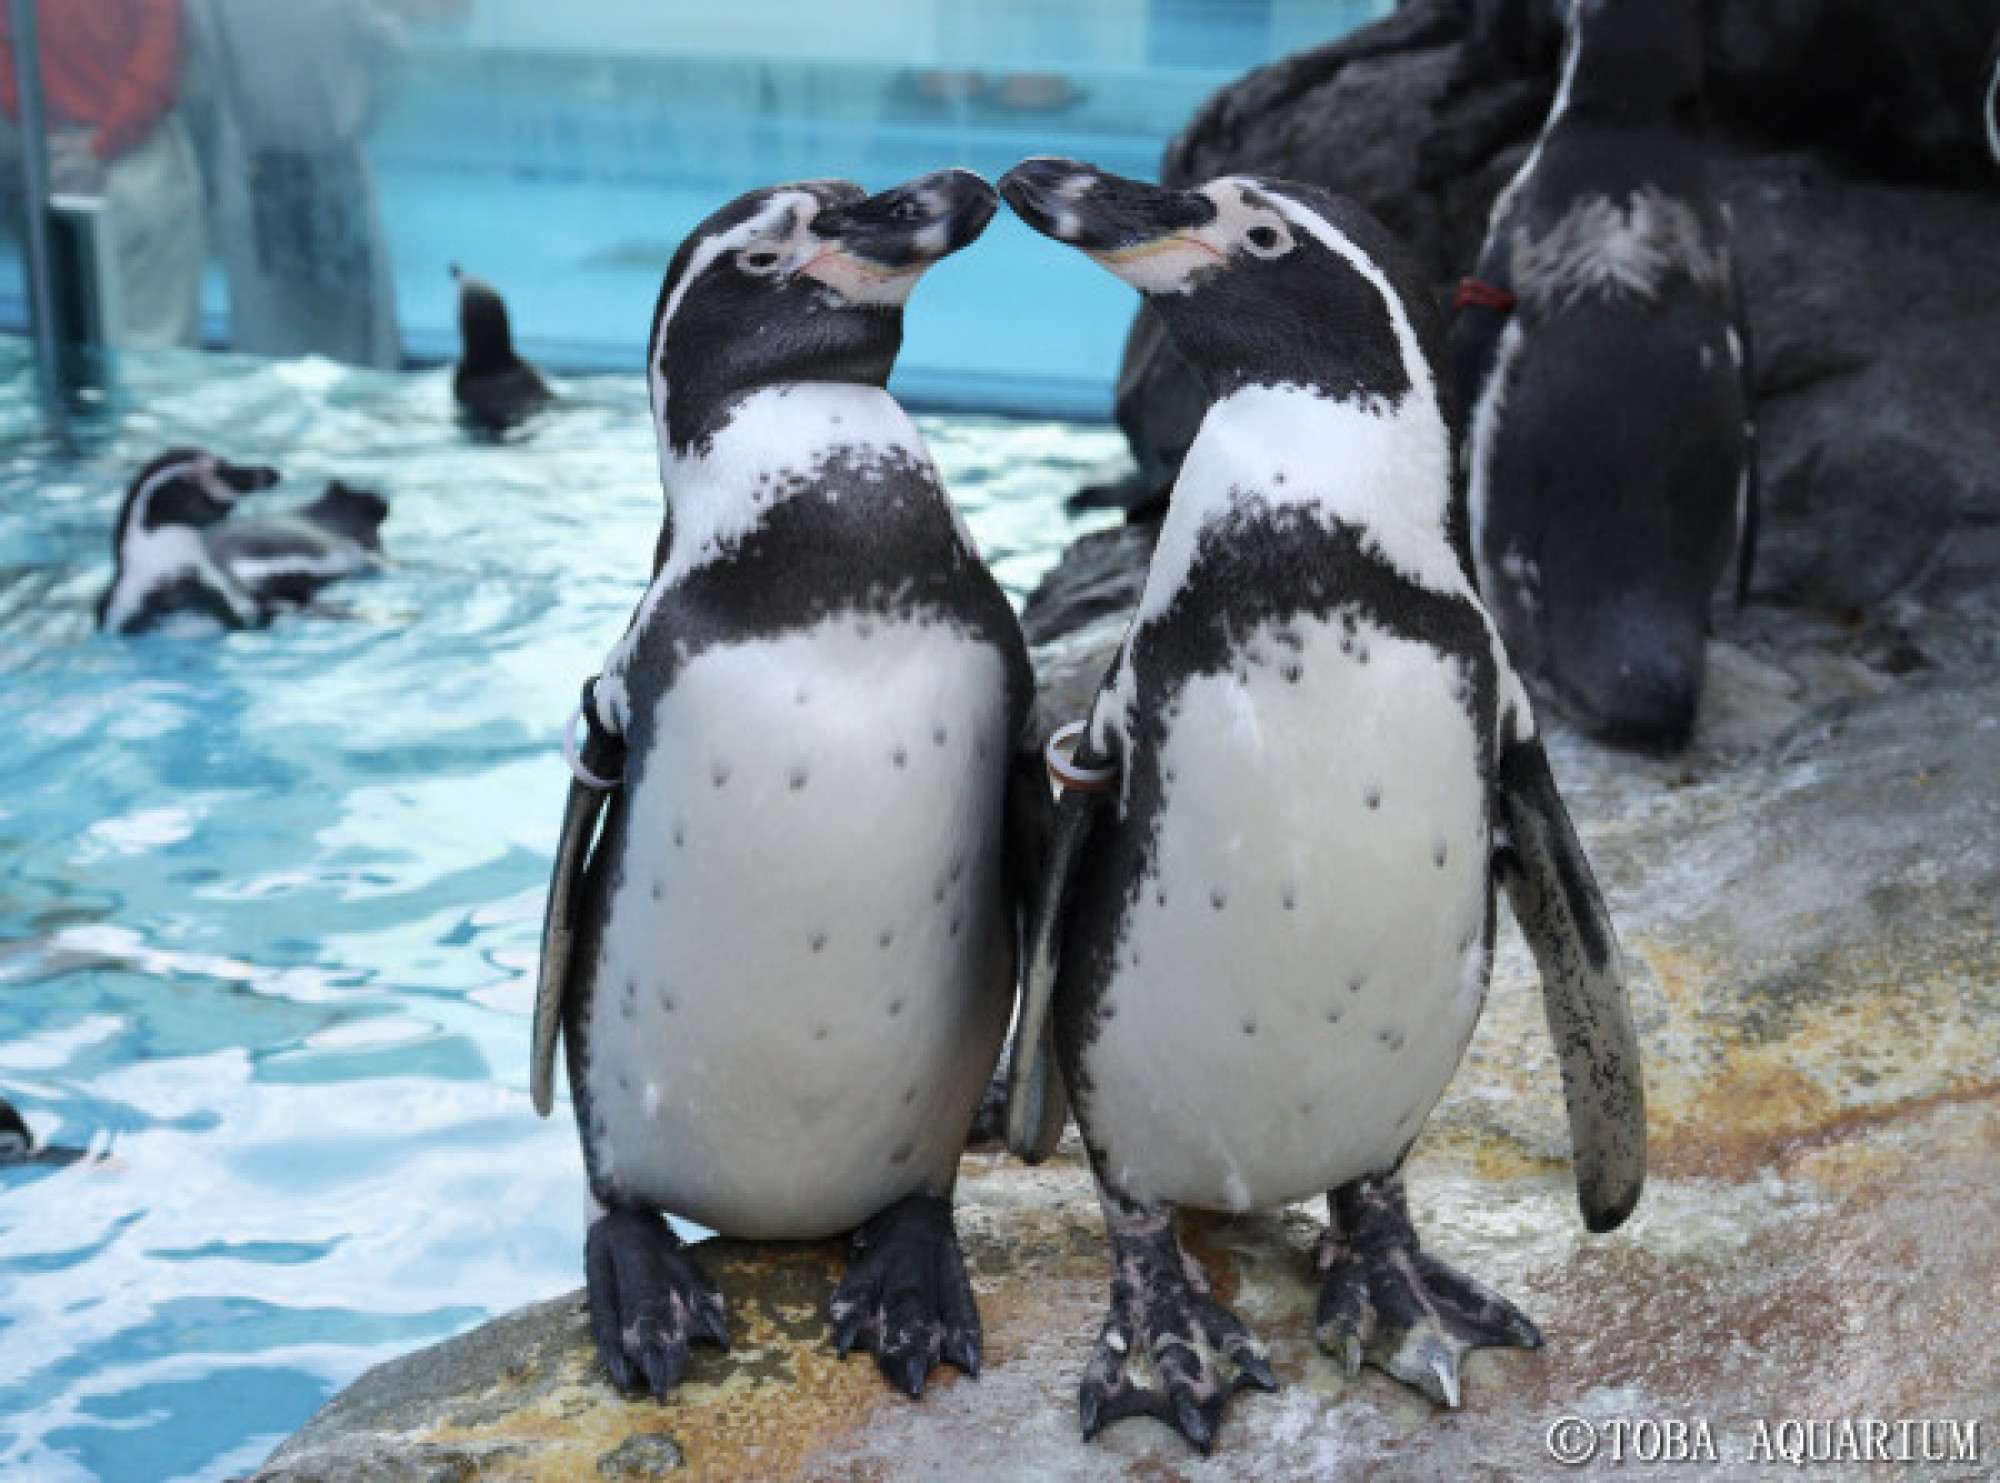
{"x":1611,"y":453}
{"x":1262,"y":955}
{"x":493,"y":386}
{"x":177,"y":549}
{"x":784,"y":971}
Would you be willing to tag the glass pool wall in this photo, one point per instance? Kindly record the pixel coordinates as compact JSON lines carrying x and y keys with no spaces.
{"x":562,"y":150}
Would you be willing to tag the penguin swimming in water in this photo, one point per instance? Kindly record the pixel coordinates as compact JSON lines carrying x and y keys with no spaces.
{"x":493,"y":386}
{"x":18,"y":1146}
{"x":784,"y":972}
{"x":1263,"y":949}
{"x":175,"y":550}
{"x":1604,"y":356}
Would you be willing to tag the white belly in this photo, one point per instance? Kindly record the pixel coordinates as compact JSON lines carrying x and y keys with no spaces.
{"x":1295,"y":988}
{"x":804,"y":975}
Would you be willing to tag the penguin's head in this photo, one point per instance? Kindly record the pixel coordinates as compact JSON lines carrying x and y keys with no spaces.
{"x":1632,"y":61}
{"x":486,"y":338}
{"x":185,"y":487}
{"x":794,"y":283}
{"x":1260,"y":282}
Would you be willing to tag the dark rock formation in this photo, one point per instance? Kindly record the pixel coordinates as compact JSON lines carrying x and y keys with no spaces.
{"x":1424,"y":116}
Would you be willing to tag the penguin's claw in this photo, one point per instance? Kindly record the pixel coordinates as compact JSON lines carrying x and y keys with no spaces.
{"x":1390,"y":1304}
{"x":649,"y":1302}
{"x":906,"y":1297}
{"x":1164,"y":1320}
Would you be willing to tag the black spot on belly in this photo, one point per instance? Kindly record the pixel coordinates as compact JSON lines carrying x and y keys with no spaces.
{"x":798,"y":779}
{"x":1249,"y":1027}
{"x":898,"y":756}
{"x":956,"y":922}
{"x":1161,"y":897}
{"x":909,"y":1095}
{"x":895,"y":1008}
{"x":902,"y":1153}
{"x":938,"y":732}
{"x":819,"y":1032}
{"x":1391,"y":1038}
{"x":1354,"y":983}
{"x":1290,"y":895}
{"x":1333,"y":1014}
{"x":658,"y":890}
{"x":1292,"y":670}
{"x":666,"y":1001}
{"x":957,"y":870}
{"x":818,"y":942}
{"x":1440,"y":853}
{"x":1372,"y":795}
{"x":1108,"y":1010}
{"x":719,"y":774}
{"x":938,"y":894}
{"x":884,"y":937}
{"x":800,"y":696}
{"x":680,"y":835}
{"x":1217,"y":899}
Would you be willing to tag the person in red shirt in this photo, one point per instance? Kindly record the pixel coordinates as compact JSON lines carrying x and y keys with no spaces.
{"x":111,"y":72}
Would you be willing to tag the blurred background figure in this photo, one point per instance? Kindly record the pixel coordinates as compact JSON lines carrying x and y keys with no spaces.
{"x":111,"y":72}
{"x":295,"y":88}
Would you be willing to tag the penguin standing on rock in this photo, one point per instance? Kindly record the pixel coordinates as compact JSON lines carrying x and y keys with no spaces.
{"x":1263,"y":946}
{"x":784,"y":971}
{"x":176,"y":551}
{"x":1604,"y":356}
{"x":493,"y":386}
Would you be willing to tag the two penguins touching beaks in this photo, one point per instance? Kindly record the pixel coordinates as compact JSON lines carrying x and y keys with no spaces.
{"x":811,"y":847}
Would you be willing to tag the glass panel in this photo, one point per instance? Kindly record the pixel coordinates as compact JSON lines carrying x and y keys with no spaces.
{"x":297,"y":177}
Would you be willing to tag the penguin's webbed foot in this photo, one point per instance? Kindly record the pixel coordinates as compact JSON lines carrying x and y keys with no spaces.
{"x":1389,"y":1303}
{"x":1168,"y":1350}
{"x":649,"y":1302}
{"x":906,"y":1297}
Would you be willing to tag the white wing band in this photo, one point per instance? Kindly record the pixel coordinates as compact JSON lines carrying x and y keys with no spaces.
{"x":582,"y":774}
{"x":1079,"y":779}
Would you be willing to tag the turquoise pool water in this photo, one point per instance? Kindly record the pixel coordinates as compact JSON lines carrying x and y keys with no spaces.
{"x":269,"y":902}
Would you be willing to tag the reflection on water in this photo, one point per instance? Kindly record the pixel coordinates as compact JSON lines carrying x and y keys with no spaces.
{"x":269,"y":902}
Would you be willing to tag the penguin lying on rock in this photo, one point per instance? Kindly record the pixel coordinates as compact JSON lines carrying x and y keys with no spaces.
{"x":784,"y":970}
{"x":1262,"y":946}
{"x":493,"y":386}
{"x":1604,"y":357}
{"x":175,"y":549}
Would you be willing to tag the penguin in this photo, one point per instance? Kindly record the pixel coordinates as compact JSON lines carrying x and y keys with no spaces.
{"x":1604,"y":353}
{"x":175,"y":550}
{"x":783,"y":970}
{"x":493,"y":386}
{"x":1266,"y":924}
{"x":17,"y":1143}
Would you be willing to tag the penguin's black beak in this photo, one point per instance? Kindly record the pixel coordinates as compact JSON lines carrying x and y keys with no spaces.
{"x":244,"y":478}
{"x":873,"y":250}
{"x":1119,"y":222}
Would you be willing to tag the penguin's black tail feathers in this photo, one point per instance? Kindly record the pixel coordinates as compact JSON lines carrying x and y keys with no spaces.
{"x":355,"y":513}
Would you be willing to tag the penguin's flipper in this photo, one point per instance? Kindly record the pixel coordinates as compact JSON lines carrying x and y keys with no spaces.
{"x":354,"y":513}
{"x":1478,"y":323}
{"x":1032,"y":1105}
{"x":579,"y":825}
{"x":1036,"y":1104}
{"x":1556,"y":901}
{"x":1753,"y":483}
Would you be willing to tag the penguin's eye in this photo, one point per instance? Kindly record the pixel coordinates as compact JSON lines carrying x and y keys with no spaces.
{"x":757,"y":262}
{"x":1263,"y":239}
